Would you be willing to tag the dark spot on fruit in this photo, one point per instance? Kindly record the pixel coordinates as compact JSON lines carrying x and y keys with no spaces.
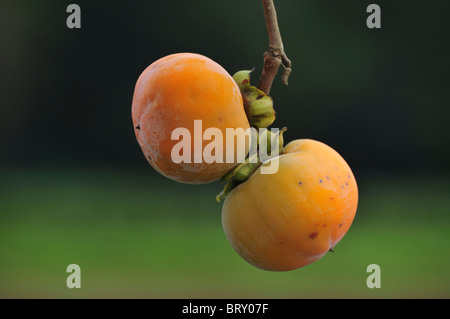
{"x":260,"y":97}
{"x":220,"y":119}
{"x":348,"y":175}
{"x":138,"y":127}
{"x":332,"y":198}
{"x":340,"y":225}
{"x":342,"y":186}
{"x":328,"y":178}
{"x":316,"y":225}
{"x":346,"y":184}
{"x":313,"y":235}
{"x":320,"y":180}
{"x":324,"y":225}
{"x":281,"y":243}
{"x":150,"y":158}
{"x":245,"y":81}
{"x":331,"y":250}
{"x":335,"y":167}
{"x":300,"y":183}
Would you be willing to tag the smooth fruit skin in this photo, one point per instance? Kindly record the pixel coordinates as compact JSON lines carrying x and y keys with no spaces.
{"x":290,"y":219}
{"x":173,"y":92}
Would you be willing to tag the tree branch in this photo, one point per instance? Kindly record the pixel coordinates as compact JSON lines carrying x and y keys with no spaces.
{"x":275,"y":55}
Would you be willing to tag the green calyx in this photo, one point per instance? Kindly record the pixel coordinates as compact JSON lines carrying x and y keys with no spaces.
{"x":238,"y":175}
{"x":272,"y":146}
{"x":257,"y":104}
{"x":244,"y":170}
{"x":242,"y":79}
{"x":273,"y":141}
{"x":261,"y":114}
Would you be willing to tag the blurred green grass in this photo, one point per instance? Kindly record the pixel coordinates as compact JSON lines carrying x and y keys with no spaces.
{"x":142,"y":236}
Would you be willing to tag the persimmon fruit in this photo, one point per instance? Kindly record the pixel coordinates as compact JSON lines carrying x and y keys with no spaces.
{"x":292,"y":218}
{"x":172,"y":93}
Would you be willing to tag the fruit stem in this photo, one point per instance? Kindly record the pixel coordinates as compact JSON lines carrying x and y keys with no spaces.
{"x":275,"y":55}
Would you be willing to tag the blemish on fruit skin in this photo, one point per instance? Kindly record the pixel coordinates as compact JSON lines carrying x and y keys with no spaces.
{"x":346,"y":184}
{"x":260,"y":97}
{"x":138,"y":127}
{"x":324,"y":225}
{"x":340,"y":225}
{"x":300,"y":183}
{"x":348,"y":176}
{"x":328,"y":178}
{"x":150,"y":158}
{"x":313,"y":235}
{"x":281,"y":243}
{"x":342,"y":186}
{"x":220,"y":119}
{"x":245,"y":81}
{"x":320,"y":180}
{"x":335,"y":167}
{"x":332,"y":198}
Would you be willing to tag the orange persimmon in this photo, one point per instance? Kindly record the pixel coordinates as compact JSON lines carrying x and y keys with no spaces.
{"x":291,"y":218}
{"x":172,"y":93}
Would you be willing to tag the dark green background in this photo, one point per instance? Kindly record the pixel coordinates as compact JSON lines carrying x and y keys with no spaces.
{"x":75,"y":188}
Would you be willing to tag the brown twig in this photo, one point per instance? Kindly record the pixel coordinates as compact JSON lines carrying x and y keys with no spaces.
{"x":275,"y":55}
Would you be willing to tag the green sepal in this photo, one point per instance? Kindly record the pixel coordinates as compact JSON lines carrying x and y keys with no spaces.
{"x":227,"y":189}
{"x":257,"y":104}
{"x":242,"y":79}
